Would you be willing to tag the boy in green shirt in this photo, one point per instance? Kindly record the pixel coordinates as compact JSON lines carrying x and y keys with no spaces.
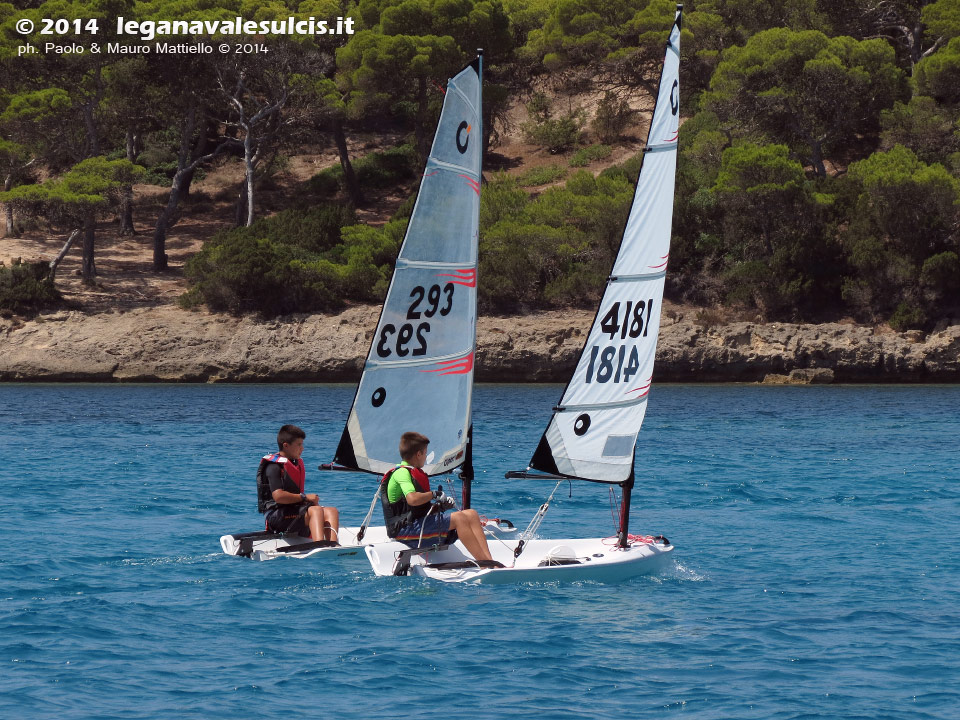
{"x":410,"y":516}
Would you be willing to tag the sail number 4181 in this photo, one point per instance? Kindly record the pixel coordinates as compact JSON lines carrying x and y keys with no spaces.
{"x":612,"y":363}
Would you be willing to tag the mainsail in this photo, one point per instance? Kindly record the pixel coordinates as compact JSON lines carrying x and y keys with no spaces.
{"x":419,"y":370}
{"x":593,"y":432}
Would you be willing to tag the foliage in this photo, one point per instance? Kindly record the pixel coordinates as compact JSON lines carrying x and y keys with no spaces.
{"x":555,"y":250}
{"x":923,"y":126}
{"x":585,"y":156}
{"x":939,"y":74}
{"x":27,"y":286}
{"x":556,"y":134}
{"x":540,"y":175}
{"x":89,"y":185}
{"x":295,"y":261}
{"x":902,"y":235}
{"x":382,"y":169}
{"x":814,"y":93}
{"x":611,"y":119}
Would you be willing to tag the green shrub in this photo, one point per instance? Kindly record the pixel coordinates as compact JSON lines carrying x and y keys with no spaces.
{"x":540,"y":175}
{"x":611,"y":119}
{"x":377,"y":170}
{"x":555,"y":134}
{"x":295,"y":261}
{"x":27,"y":286}
{"x":908,"y":316}
{"x":585,"y":156}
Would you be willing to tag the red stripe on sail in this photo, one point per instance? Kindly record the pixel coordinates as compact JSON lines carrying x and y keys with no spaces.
{"x":676,"y":134}
{"x":474,"y":185}
{"x":460,"y":366}
{"x":467,"y":277}
{"x":645,"y":388}
{"x":665,"y":259}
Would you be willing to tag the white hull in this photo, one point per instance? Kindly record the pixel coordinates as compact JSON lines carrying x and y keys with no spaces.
{"x":547,"y":560}
{"x":268,"y":546}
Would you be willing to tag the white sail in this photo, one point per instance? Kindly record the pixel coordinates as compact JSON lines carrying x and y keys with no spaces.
{"x":419,"y":371}
{"x":593,"y":432}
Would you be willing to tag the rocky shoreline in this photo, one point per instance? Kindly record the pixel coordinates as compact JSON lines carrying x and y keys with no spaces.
{"x":168,"y":344}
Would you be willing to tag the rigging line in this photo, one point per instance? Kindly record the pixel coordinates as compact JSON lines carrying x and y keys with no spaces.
{"x":534,"y":524}
{"x":366,"y":520}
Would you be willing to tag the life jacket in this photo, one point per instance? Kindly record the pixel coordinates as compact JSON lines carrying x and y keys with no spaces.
{"x":297,"y":473}
{"x":399,"y":513}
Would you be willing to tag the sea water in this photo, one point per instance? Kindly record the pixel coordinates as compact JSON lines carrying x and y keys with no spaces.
{"x":816,"y":571}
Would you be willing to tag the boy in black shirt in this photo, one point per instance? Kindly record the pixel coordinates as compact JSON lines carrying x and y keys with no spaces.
{"x":289,"y":508}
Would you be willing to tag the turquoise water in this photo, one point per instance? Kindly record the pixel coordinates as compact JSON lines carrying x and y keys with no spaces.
{"x":817,"y":568}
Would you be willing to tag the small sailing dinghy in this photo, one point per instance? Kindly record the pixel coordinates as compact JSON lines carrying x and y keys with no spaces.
{"x":419,"y":370}
{"x":592,"y":435}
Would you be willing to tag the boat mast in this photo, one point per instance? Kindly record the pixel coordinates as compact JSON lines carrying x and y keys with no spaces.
{"x":466,"y":470}
{"x":627,"y":487}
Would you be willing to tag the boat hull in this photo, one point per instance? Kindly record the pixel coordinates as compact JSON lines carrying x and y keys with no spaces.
{"x":269,"y":546}
{"x":550,"y":560}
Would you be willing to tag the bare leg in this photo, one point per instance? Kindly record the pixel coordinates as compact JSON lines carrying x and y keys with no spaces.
{"x":470,"y":532}
{"x":315,"y":522}
{"x":331,"y":524}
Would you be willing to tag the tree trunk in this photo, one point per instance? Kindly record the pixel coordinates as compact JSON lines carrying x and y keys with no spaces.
{"x":89,"y":236}
{"x":166,"y":215}
{"x":11,"y":230}
{"x":54,"y":264}
{"x":349,"y":176}
{"x":241,"y":209}
{"x":187,"y":183}
{"x":816,"y":159}
{"x":163,"y":224}
{"x":249,"y":164}
{"x":126,"y":203}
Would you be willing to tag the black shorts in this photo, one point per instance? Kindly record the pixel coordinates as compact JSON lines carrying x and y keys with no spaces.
{"x":289,"y":519}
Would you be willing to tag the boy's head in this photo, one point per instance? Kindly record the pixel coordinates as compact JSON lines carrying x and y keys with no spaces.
{"x":412,"y":443}
{"x":288,"y":435}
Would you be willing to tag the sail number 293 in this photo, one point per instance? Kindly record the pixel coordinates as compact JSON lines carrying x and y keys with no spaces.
{"x":614,"y":363}
{"x":439,"y":301}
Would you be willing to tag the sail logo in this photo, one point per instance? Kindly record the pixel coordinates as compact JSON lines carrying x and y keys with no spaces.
{"x":457,"y":366}
{"x":462,"y":146}
{"x":466,"y":277}
{"x":674,"y":100}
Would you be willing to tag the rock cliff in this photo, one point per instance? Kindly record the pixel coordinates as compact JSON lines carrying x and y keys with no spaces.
{"x":167,"y":344}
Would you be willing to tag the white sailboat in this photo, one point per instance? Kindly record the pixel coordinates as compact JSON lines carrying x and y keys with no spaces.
{"x":592,"y":435}
{"x":418,"y":373}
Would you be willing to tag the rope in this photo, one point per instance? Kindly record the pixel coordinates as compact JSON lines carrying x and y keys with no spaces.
{"x":534,"y":525}
{"x":366,"y":520}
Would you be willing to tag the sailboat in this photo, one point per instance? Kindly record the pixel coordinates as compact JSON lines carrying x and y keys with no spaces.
{"x":418,"y":374}
{"x":592,"y":434}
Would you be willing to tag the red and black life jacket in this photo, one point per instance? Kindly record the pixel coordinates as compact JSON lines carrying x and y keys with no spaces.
{"x":400,"y":513}
{"x":297,"y":474}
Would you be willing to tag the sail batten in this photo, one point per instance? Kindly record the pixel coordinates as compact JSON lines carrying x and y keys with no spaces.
{"x":593,"y":432}
{"x":418,"y":375}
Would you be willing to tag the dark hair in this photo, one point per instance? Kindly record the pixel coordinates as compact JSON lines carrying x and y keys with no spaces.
{"x":411,"y":443}
{"x":289,"y":433}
